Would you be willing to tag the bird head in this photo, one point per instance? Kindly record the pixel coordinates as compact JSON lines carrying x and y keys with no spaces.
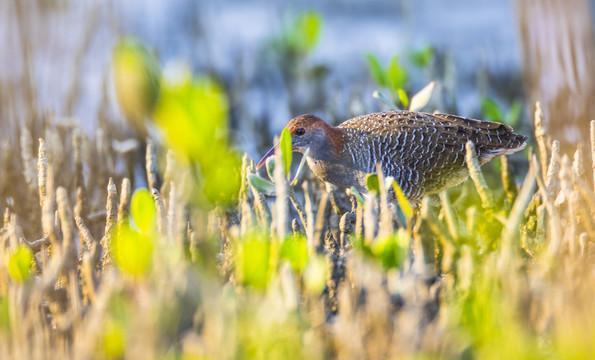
{"x":308,"y":132}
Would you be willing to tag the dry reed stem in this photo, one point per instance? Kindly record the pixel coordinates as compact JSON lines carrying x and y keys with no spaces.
{"x":566,"y":184}
{"x":263,"y":212}
{"x":297,"y":204}
{"x":449,"y":215}
{"x":111,"y":209}
{"x":170,"y":166}
{"x":347,"y":226}
{"x":47,"y":210}
{"x":84,"y":234}
{"x":578,"y":165}
{"x":161,"y":219}
{"x":245,"y":197}
{"x":79,"y":205}
{"x":37,"y":245}
{"x":66,"y":217}
{"x":310,"y":231}
{"x":124,"y":206}
{"x":370,"y":218}
{"x":540,"y":136}
{"x":555,"y":228}
{"x":487,"y":199}
{"x":385,"y":228}
{"x":510,"y":233}
{"x":151,"y":165}
{"x":171,"y":212}
{"x":42,"y":171}
{"x":322,"y":219}
{"x":553,"y":169}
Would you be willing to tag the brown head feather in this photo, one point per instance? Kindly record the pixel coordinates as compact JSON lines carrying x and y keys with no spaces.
{"x":310,"y":122}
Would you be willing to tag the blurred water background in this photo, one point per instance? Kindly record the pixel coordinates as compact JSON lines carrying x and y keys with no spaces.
{"x":66,"y":45}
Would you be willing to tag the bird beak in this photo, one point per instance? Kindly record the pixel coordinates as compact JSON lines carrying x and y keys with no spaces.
{"x":263,"y":161}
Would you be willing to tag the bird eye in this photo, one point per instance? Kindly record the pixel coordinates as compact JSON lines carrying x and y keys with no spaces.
{"x":300,"y":131}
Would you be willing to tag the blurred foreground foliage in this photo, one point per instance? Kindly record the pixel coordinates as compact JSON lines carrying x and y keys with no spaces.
{"x":204,"y":265}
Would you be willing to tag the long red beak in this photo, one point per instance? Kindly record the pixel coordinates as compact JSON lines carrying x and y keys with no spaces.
{"x":263,"y":161}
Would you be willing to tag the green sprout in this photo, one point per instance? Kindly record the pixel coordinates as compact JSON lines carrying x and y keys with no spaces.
{"x":136,"y":78}
{"x":20,"y":263}
{"x":492,"y":111}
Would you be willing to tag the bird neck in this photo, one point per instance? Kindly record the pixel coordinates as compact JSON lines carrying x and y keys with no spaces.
{"x":329,"y":144}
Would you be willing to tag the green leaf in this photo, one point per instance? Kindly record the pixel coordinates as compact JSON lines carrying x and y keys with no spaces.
{"x":133,"y":251}
{"x":514,"y":114}
{"x":397,"y":75}
{"x":358,"y":196}
{"x":270,"y":166}
{"x":113,"y":339}
{"x":403,"y":97}
{"x":372,"y":183}
{"x":20,"y":263}
{"x":423,"y":56}
{"x":142,"y":210}
{"x":136,"y":80}
{"x":491,"y":110}
{"x":286,"y":152}
{"x":308,"y":28}
{"x":262,"y":185}
{"x":295,"y":251}
{"x":401,"y":198}
{"x":253,"y":262}
{"x":391,"y":250}
{"x":421,"y":99}
{"x":376,"y":71}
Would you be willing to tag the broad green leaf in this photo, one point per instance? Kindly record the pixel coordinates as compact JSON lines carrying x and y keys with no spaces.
{"x":132,"y":251}
{"x":421,"y":99}
{"x":315,"y":274}
{"x":402,"y":199}
{"x":142,"y":210}
{"x":397,"y":75}
{"x":380,"y":96}
{"x":372,"y":183}
{"x":491,"y":110}
{"x":423,"y":56}
{"x":113,"y":339}
{"x":403,"y":97}
{"x":20,"y":263}
{"x":270,"y":166}
{"x":286,"y":152}
{"x":253,"y":262}
{"x":136,"y":79}
{"x":391,"y":250}
{"x":376,"y":71}
{"x":262,"y":185}
{"x":295,"y":250}
{"x":308,"y":28}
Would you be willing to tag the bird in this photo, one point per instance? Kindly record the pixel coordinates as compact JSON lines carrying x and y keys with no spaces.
{"x":424,"y":153}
